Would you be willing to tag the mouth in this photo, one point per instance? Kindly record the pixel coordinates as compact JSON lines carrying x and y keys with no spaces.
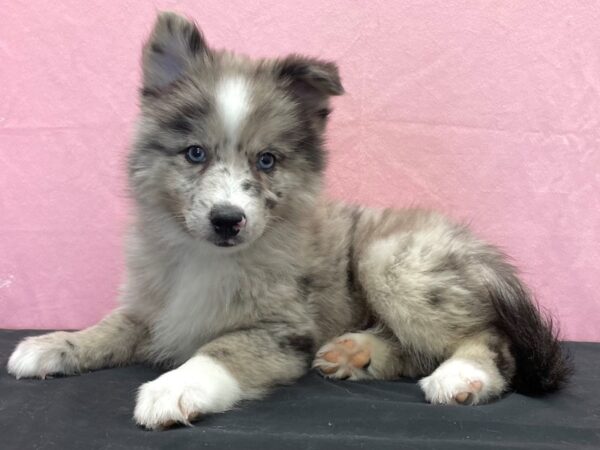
{"x":226,"y":242}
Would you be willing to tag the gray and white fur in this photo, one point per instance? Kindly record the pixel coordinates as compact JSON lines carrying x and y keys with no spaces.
{"x":241,"y":276}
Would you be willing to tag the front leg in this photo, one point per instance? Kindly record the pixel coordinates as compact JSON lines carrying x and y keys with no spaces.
{"x":234,"y":367}
{"x":111,"y":342}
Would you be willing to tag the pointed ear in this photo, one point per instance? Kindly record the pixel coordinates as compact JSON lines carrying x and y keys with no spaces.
{"x":311,"y":80}
{"x":175,"y":43}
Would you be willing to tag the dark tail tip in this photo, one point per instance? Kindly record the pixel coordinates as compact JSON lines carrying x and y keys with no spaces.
{"x":543,"y":364}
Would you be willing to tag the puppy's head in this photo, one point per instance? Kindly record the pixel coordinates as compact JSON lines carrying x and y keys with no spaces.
{"x":227,"y":146}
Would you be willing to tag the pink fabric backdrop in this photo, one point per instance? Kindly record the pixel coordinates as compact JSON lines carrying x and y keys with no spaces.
{"x":486,"y":110}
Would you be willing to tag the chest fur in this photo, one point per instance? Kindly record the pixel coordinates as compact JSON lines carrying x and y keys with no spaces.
{"x":202,"y":301}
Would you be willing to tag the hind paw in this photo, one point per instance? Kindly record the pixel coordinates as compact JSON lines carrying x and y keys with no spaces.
{"x":456,"y":382}
{"x":346,"y":357}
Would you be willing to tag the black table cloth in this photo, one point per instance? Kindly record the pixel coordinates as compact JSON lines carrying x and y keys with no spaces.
{"x":94,"y":411}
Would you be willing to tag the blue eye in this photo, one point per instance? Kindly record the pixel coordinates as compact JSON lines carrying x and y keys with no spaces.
{"x":195,"y":154}
{"x":266,"y":161}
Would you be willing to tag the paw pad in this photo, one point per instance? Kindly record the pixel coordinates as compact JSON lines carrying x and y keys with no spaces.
{"x":343,"y":358}
{"x":467,"y":397}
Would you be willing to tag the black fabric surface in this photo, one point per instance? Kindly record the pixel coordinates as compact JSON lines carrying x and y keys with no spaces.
{"x":94,"y":411}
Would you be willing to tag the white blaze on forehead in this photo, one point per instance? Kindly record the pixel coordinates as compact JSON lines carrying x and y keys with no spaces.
{"x":233,"y":103}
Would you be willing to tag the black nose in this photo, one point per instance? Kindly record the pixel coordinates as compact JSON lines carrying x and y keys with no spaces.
{"x":227,"y":220}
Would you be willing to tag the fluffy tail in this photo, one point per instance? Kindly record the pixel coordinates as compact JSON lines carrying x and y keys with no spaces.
{"x":542,"y":364}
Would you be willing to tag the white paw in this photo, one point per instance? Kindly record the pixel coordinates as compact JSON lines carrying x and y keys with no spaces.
{"x":456,"y":381}
{"x":39,"y":356}
{"x":200,"y":386}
